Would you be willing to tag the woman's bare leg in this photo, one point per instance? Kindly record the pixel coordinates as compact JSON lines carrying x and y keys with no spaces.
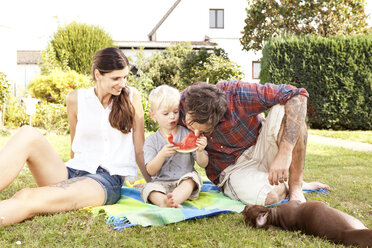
{"x":29,"y":145}
{"x":67,"y":195}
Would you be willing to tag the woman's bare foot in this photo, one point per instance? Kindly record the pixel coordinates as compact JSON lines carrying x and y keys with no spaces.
{"x":315,"y":185}
{"x":170,"y":203}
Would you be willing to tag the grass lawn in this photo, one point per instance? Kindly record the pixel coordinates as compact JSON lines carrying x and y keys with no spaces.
{"x":361,"y":136}
{"x":348,"y":173}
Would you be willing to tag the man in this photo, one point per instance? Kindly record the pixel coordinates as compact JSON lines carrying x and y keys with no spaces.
{"x":250,"y":159}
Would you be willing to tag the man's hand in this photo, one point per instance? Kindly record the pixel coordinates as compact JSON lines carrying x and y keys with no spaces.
{"x":279,"y":168}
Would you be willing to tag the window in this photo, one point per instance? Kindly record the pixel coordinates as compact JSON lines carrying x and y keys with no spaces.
{"x":216,"y":18}
{"x":256,"y":68}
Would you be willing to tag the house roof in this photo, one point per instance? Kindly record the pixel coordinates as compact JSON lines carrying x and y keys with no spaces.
{"x":163,"y":44}
{"x":152,"y":34}
{"x":33,"y":57}
{"x":26,"y":57}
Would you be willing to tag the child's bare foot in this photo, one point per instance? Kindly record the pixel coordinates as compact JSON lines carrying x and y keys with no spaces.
{"x":315,"y":185}
{"x":170,"y":203}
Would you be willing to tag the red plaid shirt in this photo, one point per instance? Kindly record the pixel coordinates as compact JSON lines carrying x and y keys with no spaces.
{"x":239,"y":128}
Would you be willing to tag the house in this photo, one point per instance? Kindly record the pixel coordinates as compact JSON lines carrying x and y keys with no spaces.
{"x":27,"y":67}
{"x":206,"y":23}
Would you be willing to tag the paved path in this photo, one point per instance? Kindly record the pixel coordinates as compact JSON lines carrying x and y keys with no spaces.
{"x":354,"y":145}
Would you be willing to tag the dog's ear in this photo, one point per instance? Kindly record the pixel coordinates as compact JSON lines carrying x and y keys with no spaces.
{"x":261,"y":219}
{"x":246,"y":214}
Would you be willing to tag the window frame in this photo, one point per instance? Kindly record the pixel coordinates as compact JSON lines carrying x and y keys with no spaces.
{"x":216,"y":18}
{"x":256,"y":62}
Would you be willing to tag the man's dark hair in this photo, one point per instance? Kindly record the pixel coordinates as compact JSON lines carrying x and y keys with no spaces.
{"x":205,"y":103}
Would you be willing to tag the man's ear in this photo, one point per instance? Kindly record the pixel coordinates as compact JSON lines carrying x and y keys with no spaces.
{"x":262,"y":219}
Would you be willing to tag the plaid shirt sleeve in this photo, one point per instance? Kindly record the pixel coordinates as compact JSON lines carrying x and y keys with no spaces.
{"x":255,"y":98}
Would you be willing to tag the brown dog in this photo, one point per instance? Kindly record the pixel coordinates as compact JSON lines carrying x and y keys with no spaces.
{"x":313,"y":218}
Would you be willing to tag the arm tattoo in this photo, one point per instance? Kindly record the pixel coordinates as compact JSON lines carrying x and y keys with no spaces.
{"x":294,"y":118}
{"x":65,"y":184}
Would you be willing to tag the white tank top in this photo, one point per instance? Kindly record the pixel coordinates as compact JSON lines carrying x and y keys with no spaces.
{"x":97,"y":143}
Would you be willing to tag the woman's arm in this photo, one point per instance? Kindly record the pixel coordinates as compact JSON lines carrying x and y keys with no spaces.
{"x":71,"y":102}
{"x":139,"y":133}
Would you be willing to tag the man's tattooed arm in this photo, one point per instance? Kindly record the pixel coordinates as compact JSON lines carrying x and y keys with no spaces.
{"x":294,"y":118}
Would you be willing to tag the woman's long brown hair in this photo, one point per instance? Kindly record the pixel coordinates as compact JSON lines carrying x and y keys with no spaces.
{"x":122,"y":112}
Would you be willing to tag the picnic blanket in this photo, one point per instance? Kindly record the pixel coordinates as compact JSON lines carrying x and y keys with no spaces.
{"x":130,"y":210}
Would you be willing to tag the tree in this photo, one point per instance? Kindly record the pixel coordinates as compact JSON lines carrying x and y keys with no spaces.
{"x":269,"y":18}
{"x":49,"y":62}
{"x":218,"y":68}
{"x":75,"y":45}
{"x":196,"y":62}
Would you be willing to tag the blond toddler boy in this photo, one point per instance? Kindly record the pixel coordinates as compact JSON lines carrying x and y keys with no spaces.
{"x":174,"y":178}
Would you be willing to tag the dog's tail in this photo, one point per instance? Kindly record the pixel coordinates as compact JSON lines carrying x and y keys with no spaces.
{"x":358,"y":237}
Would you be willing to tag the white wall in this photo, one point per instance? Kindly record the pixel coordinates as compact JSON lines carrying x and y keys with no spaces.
{"x":25,"y":73}
{"x":8,"y":53}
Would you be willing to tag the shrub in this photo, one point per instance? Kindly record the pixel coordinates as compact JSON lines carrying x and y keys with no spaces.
{"x":4,"y":95}
{"x":15,"y":114}
{"x":51,"y":117}
{"x":180,"y":66}
{"x":218,"y":69}
{"x":196,"y":62}
{"x":336,"y":71}
{"x":165,"y":67}
{"x":144,"y":85}
{"x":49,"y":62}
{"x":55,"y":86}
{"x":76,"y":43}
{"x":4,"y":88}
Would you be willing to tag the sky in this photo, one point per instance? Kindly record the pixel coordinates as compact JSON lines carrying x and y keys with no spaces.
{"x":32,"y":23}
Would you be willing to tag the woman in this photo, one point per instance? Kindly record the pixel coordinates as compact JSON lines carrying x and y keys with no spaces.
{"x":107,"y":136}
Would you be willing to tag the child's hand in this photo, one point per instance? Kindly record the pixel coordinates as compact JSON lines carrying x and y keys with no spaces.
{"x":201,"y":143}
{"x":168,"y":150}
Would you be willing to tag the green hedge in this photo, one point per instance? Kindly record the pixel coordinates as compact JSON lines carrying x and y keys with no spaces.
{"x":336,"y":71}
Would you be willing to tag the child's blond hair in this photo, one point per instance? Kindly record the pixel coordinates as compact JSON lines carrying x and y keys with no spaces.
{"x":164,"y":96}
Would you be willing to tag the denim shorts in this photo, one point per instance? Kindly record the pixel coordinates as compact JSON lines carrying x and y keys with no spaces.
{"x":111,"y":184}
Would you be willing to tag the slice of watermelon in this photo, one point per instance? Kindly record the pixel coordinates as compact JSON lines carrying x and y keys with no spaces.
{"x":187,"y":144}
